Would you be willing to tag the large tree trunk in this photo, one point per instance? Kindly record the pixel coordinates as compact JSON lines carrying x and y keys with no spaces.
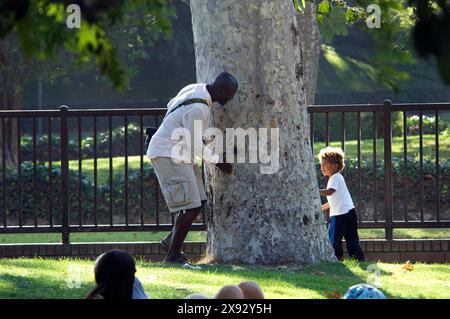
{"x":309,"y":49}
{"x":259,"y":218}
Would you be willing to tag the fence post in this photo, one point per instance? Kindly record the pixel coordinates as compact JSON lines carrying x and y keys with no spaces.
{"x":387,"y":122}
{"x":64,"y":178}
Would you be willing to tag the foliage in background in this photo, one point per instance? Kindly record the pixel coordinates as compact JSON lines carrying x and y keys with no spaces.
{"x":134,"y":141}
{"x":428,"y":125}
{"x":422,"y":24}
{"x":390,"y":43}
{"x":40,"y":28}
{"x":431,"y":32}
{"x":412,"y":123}
{"x":364,"y":192}
{"x":49,"y":194}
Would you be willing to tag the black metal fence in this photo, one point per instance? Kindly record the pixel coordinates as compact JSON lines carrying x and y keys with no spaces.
{"x":86,"y":170}
{"x":410,"y":195}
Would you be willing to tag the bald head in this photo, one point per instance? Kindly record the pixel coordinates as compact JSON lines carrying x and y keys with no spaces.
{"x":251,"y":290}
{"x":226,"y":80}
{"x":230,"y":292}
{"x":223,"y":88}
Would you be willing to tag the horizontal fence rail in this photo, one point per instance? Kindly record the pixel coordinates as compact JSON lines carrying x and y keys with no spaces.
{"x":86,"y":170}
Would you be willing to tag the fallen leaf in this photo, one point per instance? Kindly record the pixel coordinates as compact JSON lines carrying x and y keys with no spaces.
{"x":319,"y":273}
{"x":333,"y":295}
{"x":408,"y":266}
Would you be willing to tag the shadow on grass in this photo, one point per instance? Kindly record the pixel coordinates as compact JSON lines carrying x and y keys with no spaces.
{"x":33,"y":263}
{"x":27,"y":287}
{"x":323,"y":278}
{"x":161,"y":291}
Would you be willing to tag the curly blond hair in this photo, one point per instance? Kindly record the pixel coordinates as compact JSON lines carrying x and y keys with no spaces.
{"x":333,"y":155}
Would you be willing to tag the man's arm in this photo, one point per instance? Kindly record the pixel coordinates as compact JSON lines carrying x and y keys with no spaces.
{"x":326,"y":192}
{"x":325,"y":207}
{"x":196,"y":116}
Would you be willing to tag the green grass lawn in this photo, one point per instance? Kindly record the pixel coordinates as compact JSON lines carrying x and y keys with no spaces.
{"x":429,"y":147}
{"x":95,"y":237}
{"x":407,"y":233}
{"x":413,"y":233}
{"x":46,"y":278}
{"x":134,"y":163}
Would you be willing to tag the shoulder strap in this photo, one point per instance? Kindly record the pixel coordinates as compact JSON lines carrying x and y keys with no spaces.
{"x":187,"y":102}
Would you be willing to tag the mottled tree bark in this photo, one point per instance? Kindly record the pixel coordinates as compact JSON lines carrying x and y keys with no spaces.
{"x":10,"y":139}
{"x":9,"y":100}
{"x":256,"y":218}
{"x":309,"y":49}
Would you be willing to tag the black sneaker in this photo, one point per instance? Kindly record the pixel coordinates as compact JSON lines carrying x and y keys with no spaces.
{"x":166,"y":247}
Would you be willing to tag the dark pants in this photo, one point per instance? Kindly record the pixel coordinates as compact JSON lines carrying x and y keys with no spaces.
{"x":345,"y":226}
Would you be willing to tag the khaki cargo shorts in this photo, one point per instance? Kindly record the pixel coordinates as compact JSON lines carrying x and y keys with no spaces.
{"x":181,"y":183}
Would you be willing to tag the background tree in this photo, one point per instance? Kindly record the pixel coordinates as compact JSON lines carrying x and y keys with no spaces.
{"x":35,"y":43}
{"x":40,"y":26}
{"x":309,"y":48}
{"x":325,"y":19}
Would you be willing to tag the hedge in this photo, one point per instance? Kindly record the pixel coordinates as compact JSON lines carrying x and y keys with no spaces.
{"x":365,"y":193}
{"x":87,"y":145}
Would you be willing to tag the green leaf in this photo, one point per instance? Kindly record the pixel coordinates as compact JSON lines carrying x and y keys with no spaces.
{"x":324,"y":7}
{"x":350,"y":16}
{"x":338,"y":21}
{"x":326,"y":30}
{"x":300,"y":5}
{"x":332,"y":24}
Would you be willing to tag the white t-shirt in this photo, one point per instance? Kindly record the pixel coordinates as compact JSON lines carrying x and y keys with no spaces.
{"x":162,"y":144}
{"x":341,"y":201}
